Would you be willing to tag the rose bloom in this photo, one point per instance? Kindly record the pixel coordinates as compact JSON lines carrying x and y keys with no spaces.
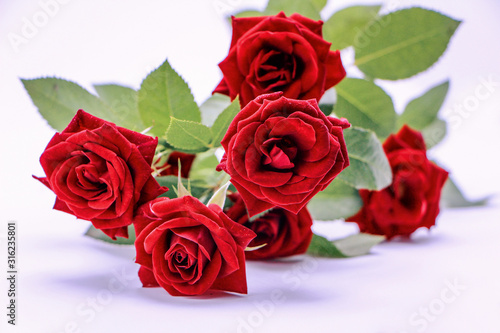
{"x":279,"y":53}
{"x":280,"y":152}
{"x":100,"y":172}
{"x":284,"y":233}
{"x":171,"y":166}
{"x":412,"y":200}
{"x":188,"y":248}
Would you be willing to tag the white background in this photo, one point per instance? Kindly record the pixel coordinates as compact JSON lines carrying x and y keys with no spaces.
{"x":68,"y":283}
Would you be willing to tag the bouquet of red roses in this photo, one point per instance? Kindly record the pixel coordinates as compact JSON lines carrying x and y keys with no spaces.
{"x":285,"y":139}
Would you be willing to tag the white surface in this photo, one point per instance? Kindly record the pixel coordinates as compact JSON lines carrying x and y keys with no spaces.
{"x":68,"y":283}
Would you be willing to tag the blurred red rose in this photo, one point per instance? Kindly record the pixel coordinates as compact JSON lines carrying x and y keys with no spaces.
{"x":188,"y":248}
{"x":280,"y":152}
{"x":171,"y":166}
{"x":279,"y":53}
{"x":100,"y":172}
{"x":412,"y":200}
{"x":284,"y":233}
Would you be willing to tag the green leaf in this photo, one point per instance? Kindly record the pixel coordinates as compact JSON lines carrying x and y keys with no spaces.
{"x":322,"y":247}
{"x":326,"y":108}
{"x":189,"y":135}
{"x":452,"y":197}
{"x":308,"y":8}
{"x":164,"y":145}
{"x":124,"y":101}
{"x":365,"y":105}
{"x":358,"y":244}
{"x":58,"y":101}
{"x":422,"y":111}
{"x":434,"y":133}
{"x":403,"y":43}
{"x":222,"y":122}
{"x":338,"y":200}
{"x":249,"y":13}
{"x":203,"y":168}
{"x":99,"y":235}
{"x":369,"y":167}
{"x":319,"y":4}
{"x":212,"y":108}
{"x":165,"y":94}
{"x":421,"y":115}
{"x":351,"y":246}
{"x":343,"y":26}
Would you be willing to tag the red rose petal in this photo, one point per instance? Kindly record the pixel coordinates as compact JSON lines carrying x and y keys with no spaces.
{"x":295,"y":129}
{"x":147,"y":278}
{"x":259,"y":175}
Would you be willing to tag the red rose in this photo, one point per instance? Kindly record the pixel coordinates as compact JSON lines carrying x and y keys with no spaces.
{"x":284,"y":233}
{"x":281,"y":152}
{"x":412,"y":200}
{"x":279,"y":53}
{"x":171,"y":167}
{"x":100,"y":172}
{"x":188,"y":248}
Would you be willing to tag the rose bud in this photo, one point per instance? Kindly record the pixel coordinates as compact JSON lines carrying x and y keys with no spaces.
{"x":280,"y":152}
{"x":412,"y":200}
{"x":279,"y":53}
{"x":100,"y":172}
{"x":283,"y":233}
{"x":188,"y":248}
